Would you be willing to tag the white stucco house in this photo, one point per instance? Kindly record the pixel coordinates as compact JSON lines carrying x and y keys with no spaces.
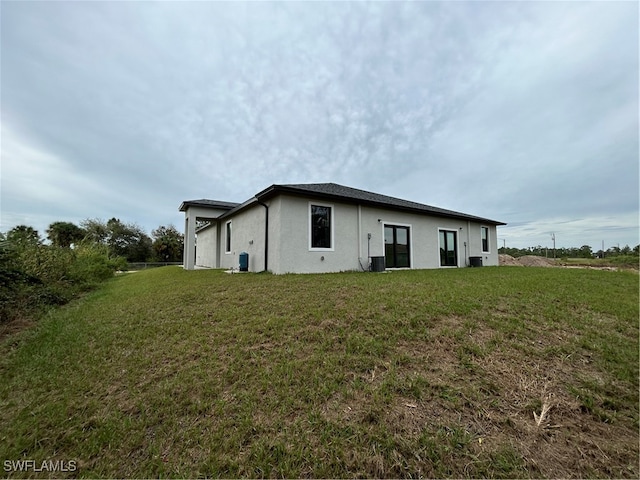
{"x":325,"y":227}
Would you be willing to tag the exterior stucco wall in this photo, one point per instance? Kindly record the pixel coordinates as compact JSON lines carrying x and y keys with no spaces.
{"x":294,"y":254}
{"x":353,"y":223}
{"x":489,"y":258}
{"x":289,"y":238}
{"x":424,"y":236}
{"x":247,"y":235}
{"x":275,"y":238}
{"x":191,"y":216}
{"x":206,"y":245}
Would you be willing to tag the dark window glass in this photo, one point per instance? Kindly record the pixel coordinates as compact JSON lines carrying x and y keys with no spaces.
{"x":396,"y":246}
{"x":448,"y":249}
{"x":320,"y":226}
{"x":485,"y":239}
{"x":228,"y":238}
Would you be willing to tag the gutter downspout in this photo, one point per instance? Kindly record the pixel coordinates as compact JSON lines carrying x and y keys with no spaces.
{"x":266,"y":234}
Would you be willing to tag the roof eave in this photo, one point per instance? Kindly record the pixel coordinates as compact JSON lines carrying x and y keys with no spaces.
{"x":279,"y":189}
{"x":220,"y":205}
{"x":252,"y":201}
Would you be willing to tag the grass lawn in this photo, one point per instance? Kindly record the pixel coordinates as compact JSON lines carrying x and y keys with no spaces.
{"x":622,"y":261}
{"x":488,"y":372}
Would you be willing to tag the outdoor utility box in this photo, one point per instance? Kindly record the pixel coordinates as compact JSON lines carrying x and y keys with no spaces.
{"x":377,"y":264}
{"x":244,"y":262}
{"x":475,"y":261}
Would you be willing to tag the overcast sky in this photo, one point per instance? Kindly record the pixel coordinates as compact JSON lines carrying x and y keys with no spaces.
{"x":526,"y":113}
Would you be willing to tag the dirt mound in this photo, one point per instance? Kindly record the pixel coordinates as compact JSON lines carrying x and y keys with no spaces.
{"x":509,"y":260}
{"x":527,"y":261}
{"x":535,"y":261}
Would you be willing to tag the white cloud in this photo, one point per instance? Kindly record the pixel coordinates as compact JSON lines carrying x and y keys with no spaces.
{"x":521,"y":112}
{"x":591,"y":230}
{"x":41,"y":178}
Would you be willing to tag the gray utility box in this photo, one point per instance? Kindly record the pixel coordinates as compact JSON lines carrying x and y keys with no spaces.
{"x":377,"y":264}
{"x":475,"y":261}
{"x":244,"y":262}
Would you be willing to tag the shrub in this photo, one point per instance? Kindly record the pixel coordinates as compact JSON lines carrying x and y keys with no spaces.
{"x":49,"y":263}
{"x":34,"y":276}
{"x":625,"y":261}
{"x":92,"y":264}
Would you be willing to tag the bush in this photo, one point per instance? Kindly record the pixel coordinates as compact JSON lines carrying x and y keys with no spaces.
{"x":631,"y":261}
{"x":92,"y":264}
{"x":35,"y":276}
{"x":48,"y":263}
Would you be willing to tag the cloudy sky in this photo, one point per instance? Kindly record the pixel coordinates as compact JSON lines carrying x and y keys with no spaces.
{"x":526,"y":113}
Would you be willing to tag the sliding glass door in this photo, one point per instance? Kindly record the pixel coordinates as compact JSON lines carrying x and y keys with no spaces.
{"x":448,"y":248}
{"x":396,"y":246}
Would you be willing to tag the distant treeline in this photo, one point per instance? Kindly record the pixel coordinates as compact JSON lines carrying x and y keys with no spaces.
{"x":35,"y":274}
{"x":583,"y":252}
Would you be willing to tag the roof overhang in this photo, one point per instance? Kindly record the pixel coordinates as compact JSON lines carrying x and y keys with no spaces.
{"x":204,"y":203}
{"x":373,"y":200}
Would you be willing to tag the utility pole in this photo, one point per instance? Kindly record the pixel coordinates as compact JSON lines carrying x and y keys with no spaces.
{"x":553,"y":237}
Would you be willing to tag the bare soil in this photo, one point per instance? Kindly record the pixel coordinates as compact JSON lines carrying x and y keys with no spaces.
{"x":527,"y":261}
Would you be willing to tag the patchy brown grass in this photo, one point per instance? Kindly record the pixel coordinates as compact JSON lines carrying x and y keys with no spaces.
{"x":433,"y":374}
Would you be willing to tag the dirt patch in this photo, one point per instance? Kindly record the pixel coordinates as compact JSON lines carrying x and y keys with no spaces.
{"x":527,"y":261}
{"x":508,"y":260}
{"x":12,"y":327}
{"x":537,"y":261}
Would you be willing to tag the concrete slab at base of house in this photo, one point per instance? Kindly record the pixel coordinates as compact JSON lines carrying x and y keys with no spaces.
{"x":325,"y":227}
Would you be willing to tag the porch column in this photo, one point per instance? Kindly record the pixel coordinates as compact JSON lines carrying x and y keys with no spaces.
{"x":189,"y":256}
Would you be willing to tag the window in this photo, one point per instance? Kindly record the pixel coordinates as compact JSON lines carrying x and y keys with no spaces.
{"x":396,"y":246}
{"x":448,"y":248}
{"x":227,"y":245}
{"x":484,"y":233}
{"x":320,"y":227}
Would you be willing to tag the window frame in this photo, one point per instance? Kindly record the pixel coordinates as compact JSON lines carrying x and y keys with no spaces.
{"x":456,"y":250}
{"x":332,"y":223}
{"x":228,"y":228}
{"x":484,"y":228}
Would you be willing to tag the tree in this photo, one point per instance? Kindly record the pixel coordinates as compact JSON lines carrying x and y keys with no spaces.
{"x":122,"y":239}
{"x":128,"y":241}
{"x":168,"y":244}
{"x":586,"y":252}
{"x":22,"y":236}
{"x":613,"y":251}
{"x":64,"y":234}
{"x":96,"y":231}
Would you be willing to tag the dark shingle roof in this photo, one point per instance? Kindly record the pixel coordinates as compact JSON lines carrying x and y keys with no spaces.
{"x":354,"y":195}
{"x":333,"y":191}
